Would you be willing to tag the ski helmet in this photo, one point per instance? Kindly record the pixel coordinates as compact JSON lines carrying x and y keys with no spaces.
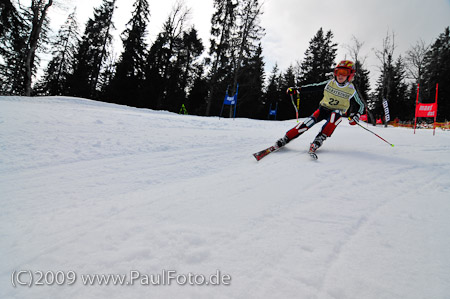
{"x":346,"y":68}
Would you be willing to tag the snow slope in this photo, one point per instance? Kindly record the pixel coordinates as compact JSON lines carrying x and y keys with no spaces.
{"x":96,"y":188}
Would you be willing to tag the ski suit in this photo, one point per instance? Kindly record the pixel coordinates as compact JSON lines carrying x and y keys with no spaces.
{"x":336,"y":100}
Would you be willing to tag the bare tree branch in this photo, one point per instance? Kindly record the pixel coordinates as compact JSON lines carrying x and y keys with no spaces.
{"x":415,"y":59}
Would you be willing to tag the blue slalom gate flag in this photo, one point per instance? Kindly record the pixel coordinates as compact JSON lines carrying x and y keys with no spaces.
{"x":230,"y":101}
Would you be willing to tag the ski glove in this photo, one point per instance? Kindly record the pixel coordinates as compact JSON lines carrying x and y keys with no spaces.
{"x":354,"y":118}
{"x":293,"y":90}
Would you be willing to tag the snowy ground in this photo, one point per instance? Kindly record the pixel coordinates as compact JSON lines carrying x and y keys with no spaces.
{"x":96,"y":188}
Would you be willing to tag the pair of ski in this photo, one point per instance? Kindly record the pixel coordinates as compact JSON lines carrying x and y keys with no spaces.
{"x":261,"y":154}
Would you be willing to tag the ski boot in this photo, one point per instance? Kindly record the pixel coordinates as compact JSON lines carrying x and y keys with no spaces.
{"x":282,"y":142}
{"x":318,"y":141}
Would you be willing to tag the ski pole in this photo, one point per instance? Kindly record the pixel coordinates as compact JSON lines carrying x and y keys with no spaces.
{"x":373,"y":133}
{"x":295,"y":107}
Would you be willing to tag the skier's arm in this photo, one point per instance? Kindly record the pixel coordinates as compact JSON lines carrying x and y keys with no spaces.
{"x":315,"y":87}
{"x":359,"y":103}
{"x":356,"y":109}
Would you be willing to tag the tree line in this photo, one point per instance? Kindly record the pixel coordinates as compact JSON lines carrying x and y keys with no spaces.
{"x":177,"y":69}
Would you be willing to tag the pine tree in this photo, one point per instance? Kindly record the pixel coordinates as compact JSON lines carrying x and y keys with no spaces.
{"x":188,"y":52}
{"x":23,"y":34}
{"x":251,"y":85}
{"x":411,"y":94}
{"x":247,"y":37}
{"x":126,"y":85}
{"x":272,"y":93}
{"x":319,"y":58}
{"x":288,"y":79}
{"x":92,"y":52}
{"x":39,"y":26}
{"x":399,"y":107}
{"x":362,"y":85}
{"x":391,"y":86}
{"x":223,"y":24}
{"x":14,"y":32}
{"x":437,"y":70}
{"x":236,"y":34}
{"x":107,"y":73}
{"x":54,"y":81}
{"x":362,"y":81}
{"x":191,"y":49}
{"x":196,"y":103}
{"x":7,"y":15}
{"x":174,"y":28}
{"x":157,"y":61}
{"x":316,"y":67}
{"x":285,"y":108}
{"x":167,"y":61}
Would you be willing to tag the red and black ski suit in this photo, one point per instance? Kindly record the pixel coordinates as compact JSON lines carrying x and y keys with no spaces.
{"x":337,"y":99}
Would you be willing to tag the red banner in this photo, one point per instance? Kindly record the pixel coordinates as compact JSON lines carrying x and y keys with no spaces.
{"x":426,"y":110}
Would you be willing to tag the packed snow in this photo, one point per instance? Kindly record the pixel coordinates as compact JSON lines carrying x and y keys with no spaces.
{"x":93,"y":188}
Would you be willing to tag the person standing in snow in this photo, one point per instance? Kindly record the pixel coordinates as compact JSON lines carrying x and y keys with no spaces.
{"x":339,"y":94}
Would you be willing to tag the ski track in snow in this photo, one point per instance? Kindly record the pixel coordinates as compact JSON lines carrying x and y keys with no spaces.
{"x":101,"y":188}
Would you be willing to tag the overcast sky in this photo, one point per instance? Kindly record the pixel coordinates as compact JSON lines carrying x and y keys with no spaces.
{"x":291,"y":24}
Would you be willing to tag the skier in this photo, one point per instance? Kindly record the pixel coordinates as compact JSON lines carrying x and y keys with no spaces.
{"x":338,"y":95}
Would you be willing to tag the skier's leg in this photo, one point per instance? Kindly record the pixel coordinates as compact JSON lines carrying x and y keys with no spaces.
{"x":327,"y":130}
{"x":299,"y":129}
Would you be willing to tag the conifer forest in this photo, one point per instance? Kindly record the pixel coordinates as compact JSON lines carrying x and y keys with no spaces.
{"x":178,"y":69}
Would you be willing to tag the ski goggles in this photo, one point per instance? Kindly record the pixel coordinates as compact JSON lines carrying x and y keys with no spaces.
{"x":342,"y":72}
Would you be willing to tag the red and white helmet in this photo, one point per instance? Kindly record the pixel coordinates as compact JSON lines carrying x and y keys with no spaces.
{"x":345,"y":68}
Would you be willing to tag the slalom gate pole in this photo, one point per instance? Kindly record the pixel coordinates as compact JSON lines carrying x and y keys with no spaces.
{"x":295,"y":107}
{"x":374,"y":134}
